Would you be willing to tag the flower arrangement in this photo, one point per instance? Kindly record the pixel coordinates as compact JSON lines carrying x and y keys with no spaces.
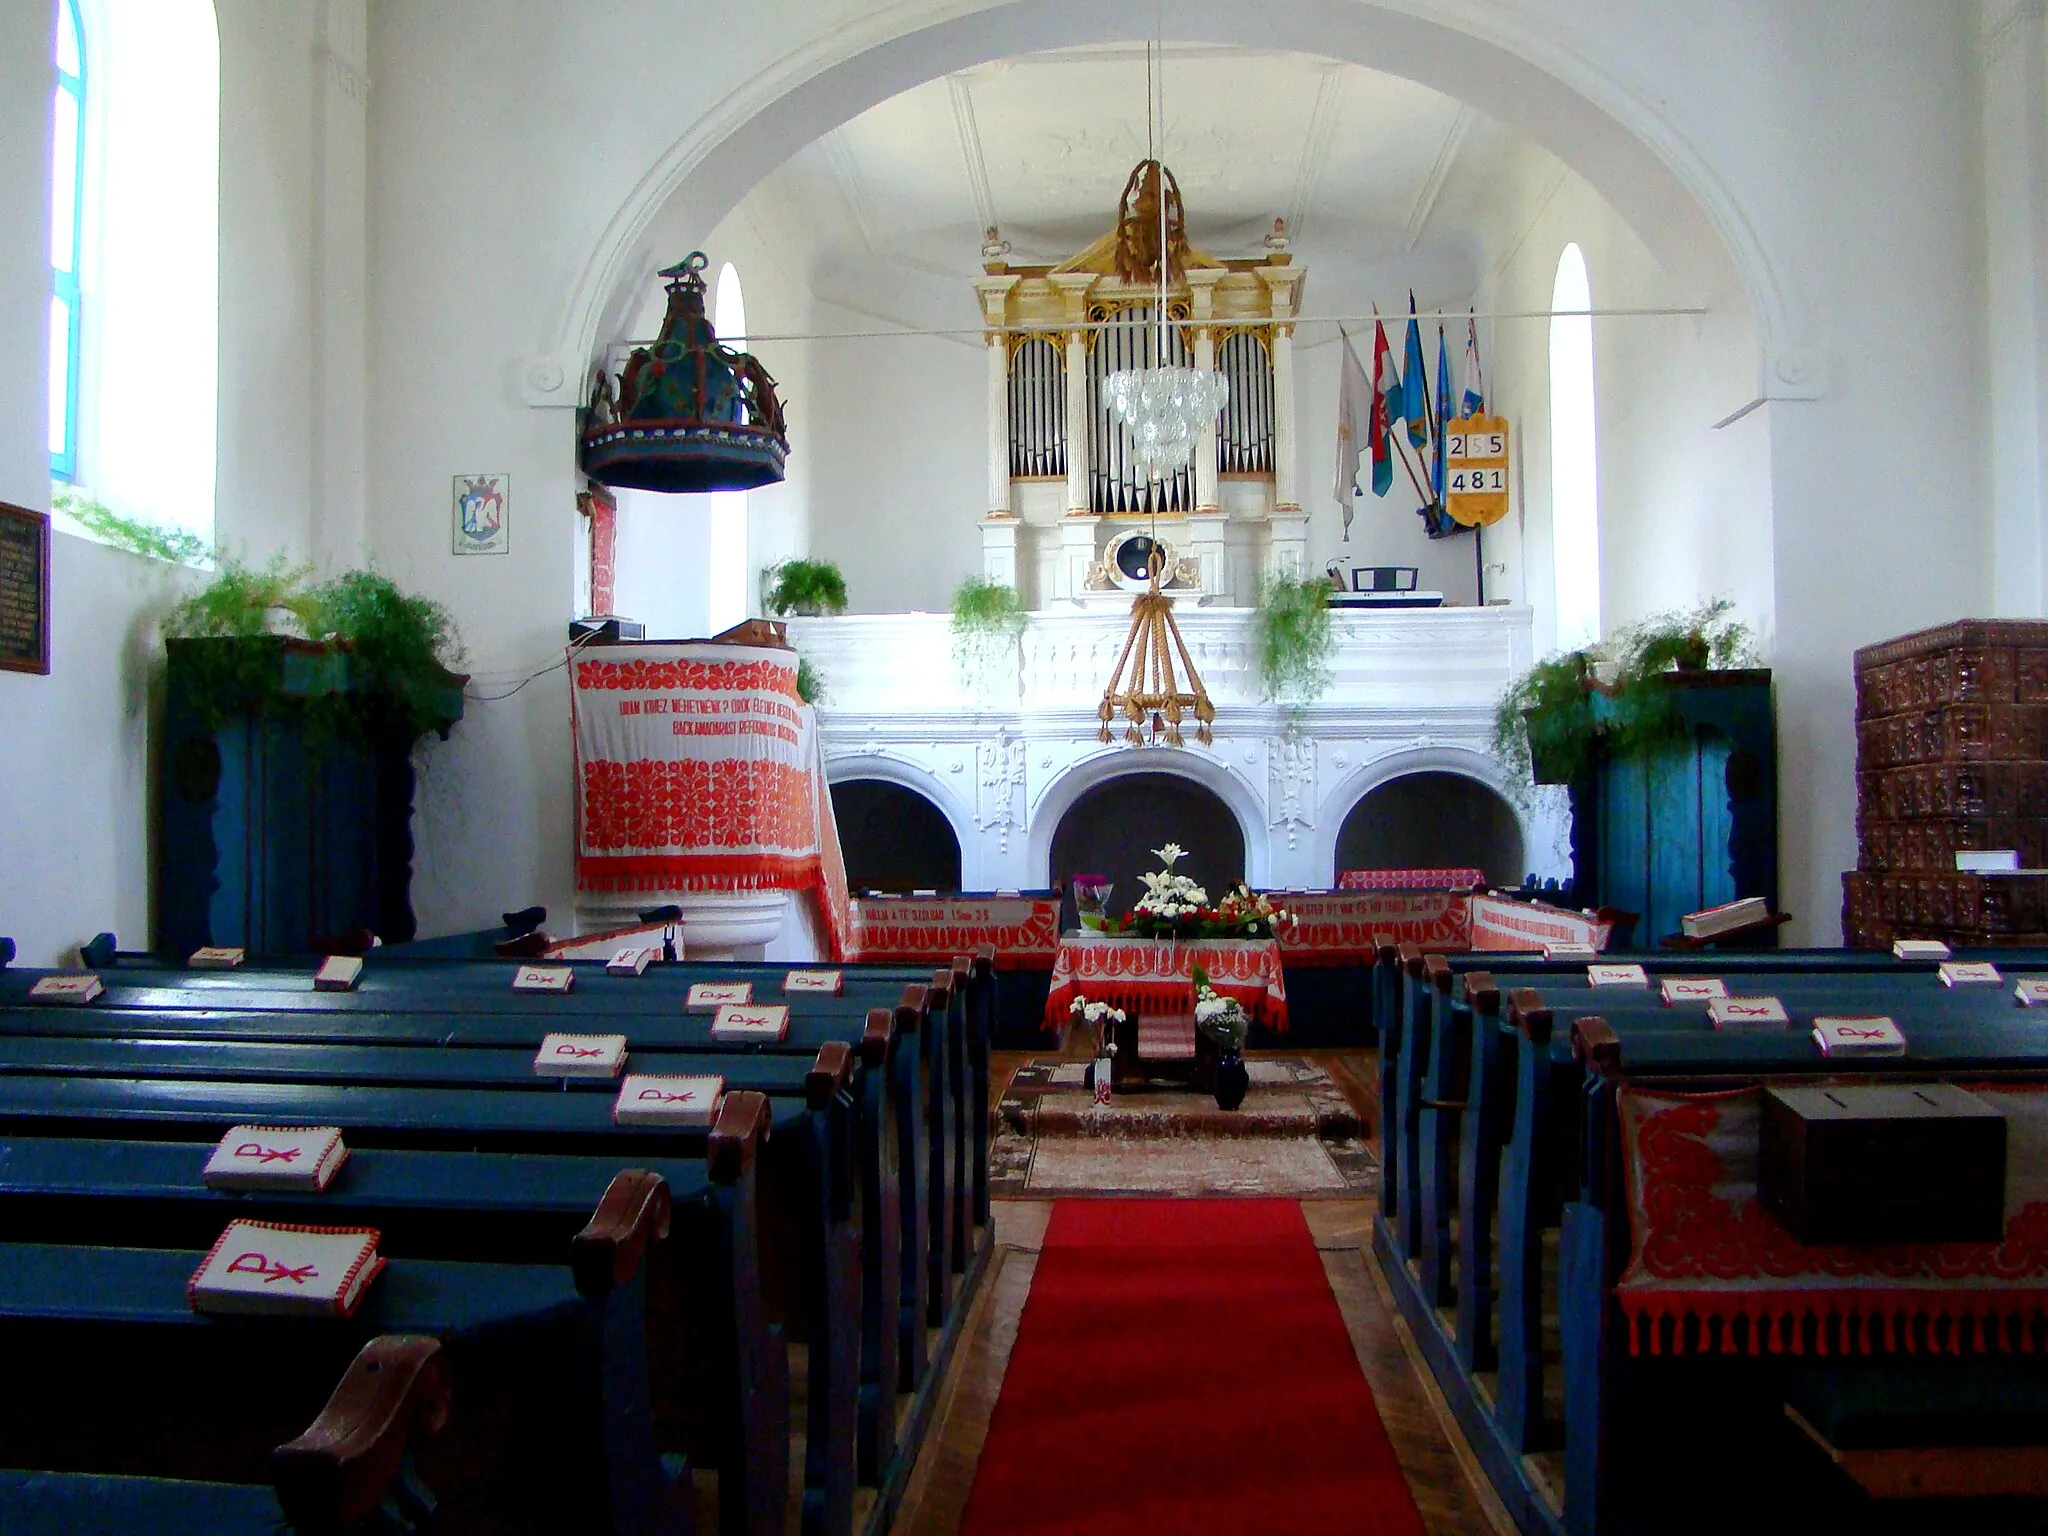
{"x":1174,"y":907}
{"x":1091,"y":899}
{"x":1096,"y":1016}
{"x":1220,"y":1017}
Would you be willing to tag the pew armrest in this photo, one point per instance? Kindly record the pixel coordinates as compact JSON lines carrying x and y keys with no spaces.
{"x":737,"y":1136}
{"x":335,"y":1475}
{"x":633,"y":1215}
{"x":875,"y":1038}
{"x":831,"y":1074}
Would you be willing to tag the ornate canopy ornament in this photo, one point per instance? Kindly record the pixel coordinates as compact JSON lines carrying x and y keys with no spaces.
{"x":687,"y":413}
{"x":1156,"y":697}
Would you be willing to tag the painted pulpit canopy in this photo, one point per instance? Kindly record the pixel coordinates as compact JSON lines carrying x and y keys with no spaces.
{"x":686,"y":413}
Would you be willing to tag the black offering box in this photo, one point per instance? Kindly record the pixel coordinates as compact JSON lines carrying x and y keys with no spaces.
{"x":1883,"y":1163}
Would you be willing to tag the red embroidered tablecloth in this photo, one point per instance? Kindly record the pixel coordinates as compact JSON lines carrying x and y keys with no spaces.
{"x":1498,"y":923}
{"x":1337,"y":927}
{"x":1155,"y":975}
{"x":1704,"y":1248}
{"x":698,"y":768}
{"x":1025,"y":930}
{"x":1410,"y":879}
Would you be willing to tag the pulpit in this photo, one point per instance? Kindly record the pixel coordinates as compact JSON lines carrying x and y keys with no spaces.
{"x":699,"y":784}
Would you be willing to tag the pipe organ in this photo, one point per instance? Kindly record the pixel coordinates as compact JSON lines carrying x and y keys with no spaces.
{"x":1062,"y":486}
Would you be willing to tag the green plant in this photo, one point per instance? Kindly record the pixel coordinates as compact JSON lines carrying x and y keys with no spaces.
{"x":1547,"y":719}
{"x":400,"y":648}
{"x":1291,"y":638}
{"x":137,"y":535}
{"x":988,"y":621}
{"x":810,"y":682}
{"x":806,"y":586}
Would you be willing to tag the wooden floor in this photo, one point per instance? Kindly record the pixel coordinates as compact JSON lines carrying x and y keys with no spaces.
{"x":1453,"y":1498}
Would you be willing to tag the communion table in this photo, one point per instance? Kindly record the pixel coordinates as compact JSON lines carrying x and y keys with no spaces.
{"x":1156,"y":975}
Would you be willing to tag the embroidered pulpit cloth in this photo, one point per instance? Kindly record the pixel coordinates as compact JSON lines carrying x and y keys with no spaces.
{"x":1338,"y":927}
{"x":1411,"y":879}
{"x":1707,"y":1254}
{"x":1157,"y":975}
{"x":698,"y":769}
{"x":1025,"y":930}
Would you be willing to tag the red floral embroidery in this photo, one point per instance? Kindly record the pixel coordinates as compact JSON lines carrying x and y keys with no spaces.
{"x":697,"y":805}
{"x":691,"y":676}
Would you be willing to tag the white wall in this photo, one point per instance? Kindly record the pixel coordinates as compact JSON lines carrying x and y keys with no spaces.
{"x":75,"y":841}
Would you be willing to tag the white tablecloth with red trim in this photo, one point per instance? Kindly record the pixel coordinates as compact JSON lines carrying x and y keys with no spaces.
{"x":1410,"y":879}
{"x":1025,"y":930}
{"x":1156,"y":975}
{"x":698,"y":769}
{"x":1338,"y":927}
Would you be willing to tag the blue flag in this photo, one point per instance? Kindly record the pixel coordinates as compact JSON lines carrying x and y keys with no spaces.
{"x":1443,"y":411}
{"x":1414,"y":382}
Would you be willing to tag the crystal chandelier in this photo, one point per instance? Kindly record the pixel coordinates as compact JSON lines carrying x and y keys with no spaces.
{"x":1165,"y":410}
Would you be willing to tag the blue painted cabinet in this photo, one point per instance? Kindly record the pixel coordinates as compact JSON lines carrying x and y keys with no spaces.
{"x":281,"y":827}
{"x":1694,"y":823}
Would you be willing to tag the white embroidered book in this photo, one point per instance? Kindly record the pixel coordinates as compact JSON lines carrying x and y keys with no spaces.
{"x":338,"y":973}
{"x":581,"y":1056}
{"x":217,"y":957}
{"x":633,"y":960}
{"x":1919,"y":949}
{"x":821,"y":983}
{"x":2032,"y":991}
{"x":543,"y":978}
{"x":1692,"y":989}
{"x":303,"y":1158}
{"x":763,"y":1022}
{"x":1865,"y":1035}
{"x":1747,"y":1013}
{"x":710,"y":996}
{"x":1617,"y":976}
{"x":1969,"y":973}
{"x":671,"y":1101}
{"x":1726,"y":918}
{"x":66,"y":989}
{"x":1569,"y":951}
{"x":286,"y":1271}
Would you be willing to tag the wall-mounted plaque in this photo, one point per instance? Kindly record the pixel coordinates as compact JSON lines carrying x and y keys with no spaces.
{"x":24,"y":590}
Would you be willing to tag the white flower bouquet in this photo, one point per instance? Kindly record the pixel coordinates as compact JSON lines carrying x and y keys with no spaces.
{"x":1098,"y":1016}
{"x":1222,"y":1018}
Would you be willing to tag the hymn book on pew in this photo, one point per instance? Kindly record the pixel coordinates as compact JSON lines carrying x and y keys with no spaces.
{"x":1969,"y":973}
{"x":1747,"y":1013}
{"x":710,"y":996}
{"x":668,"y":1101}
{"x":217,"y":957}
{"x":1858,"y":1035}
{"x":1746,"y":913}
{"x":818,"y":983}
{"x":543,"y":978}
{"x":301,"y":1158}
{"x":1691,"y":989}
{"x":338,"y":973}
{"x":2032,"y":991}
{"x":1569,"y":951}
{"x":75,"y":991}
{"x":1920,"y":949}
{"x":273,"y":1269}
{"x":633,"y":960}
{"x":765,"y":1023}
{"x":1617,"y":976}
{"x":580,"y":1056}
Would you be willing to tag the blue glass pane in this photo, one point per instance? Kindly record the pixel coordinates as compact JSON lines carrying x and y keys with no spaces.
{"x":64,"y":183}
{"x":60,"y":379}
{"x":68,"y":51}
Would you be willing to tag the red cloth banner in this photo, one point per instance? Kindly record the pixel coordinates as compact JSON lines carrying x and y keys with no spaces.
{"x":698,"y":768}
{"x":1705,"y":1249}
{"x":894,"y":929}
{"x":1157,"y":975}
{"x":1337,"y":927}
{"x":1498,"y":923}
{"x":1410,"y":879}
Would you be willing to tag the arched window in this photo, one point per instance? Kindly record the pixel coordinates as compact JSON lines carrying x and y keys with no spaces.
{"x":726,"y":557}
{"x":1574,"y":455}
{"x":67,"y":202}
{"x":144,"y":197}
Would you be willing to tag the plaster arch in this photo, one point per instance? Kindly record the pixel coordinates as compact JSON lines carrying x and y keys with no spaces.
{"x":921,"y":781}
{"x":1537,"y":822}
{"x":1100,"y":767}
{"x":1485,"y":52}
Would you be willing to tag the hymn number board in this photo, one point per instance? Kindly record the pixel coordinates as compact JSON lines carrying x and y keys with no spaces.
{"x":24,"y":590}
{"x":1476,"y":470}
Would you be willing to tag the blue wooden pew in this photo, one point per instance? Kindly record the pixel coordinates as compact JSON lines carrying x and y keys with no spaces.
{"x":551,"y":1425}
{"x":349,"y":1474}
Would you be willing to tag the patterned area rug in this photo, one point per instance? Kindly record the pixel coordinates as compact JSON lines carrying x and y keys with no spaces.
{"x":1295,"y":1134}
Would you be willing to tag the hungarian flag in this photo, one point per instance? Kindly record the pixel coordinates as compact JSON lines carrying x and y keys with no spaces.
{"x":1414,"y":381}
{"x":1386,"y":401}
{"x":1475,"y":382}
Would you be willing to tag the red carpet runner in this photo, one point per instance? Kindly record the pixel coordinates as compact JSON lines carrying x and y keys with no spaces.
{"x":1181,"y":1366}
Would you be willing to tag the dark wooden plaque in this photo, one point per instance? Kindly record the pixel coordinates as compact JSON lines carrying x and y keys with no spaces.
{"x":24,"y":590}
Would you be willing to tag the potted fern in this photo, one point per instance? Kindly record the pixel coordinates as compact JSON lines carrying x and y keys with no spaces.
{"x":988,"y":624}
{"x":1292,"y":639}
{"x":806,"y":588}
